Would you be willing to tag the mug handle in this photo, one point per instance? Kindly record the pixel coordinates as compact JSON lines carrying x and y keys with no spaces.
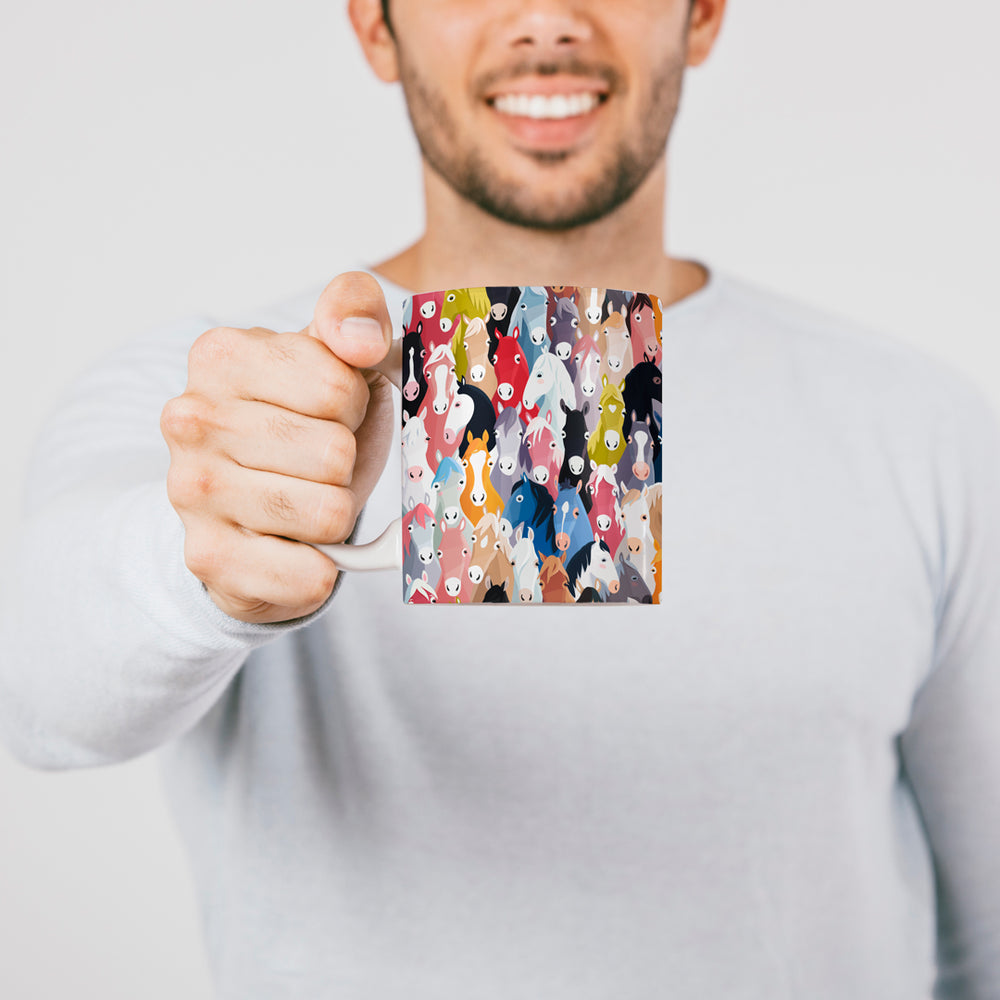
{"x":386,"y":551}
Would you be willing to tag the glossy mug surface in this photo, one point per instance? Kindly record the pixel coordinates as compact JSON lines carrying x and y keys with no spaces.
{"x":531,"y":446}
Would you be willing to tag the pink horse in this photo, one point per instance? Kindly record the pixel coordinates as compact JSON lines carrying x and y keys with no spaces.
{"x":605,"y":514}
{"x":454,"y":554}
{"x":544,"y":454}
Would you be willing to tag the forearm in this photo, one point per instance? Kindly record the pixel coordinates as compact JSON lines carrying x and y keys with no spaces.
{"x":112,"y":646}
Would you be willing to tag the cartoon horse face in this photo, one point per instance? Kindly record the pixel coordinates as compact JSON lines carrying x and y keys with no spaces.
{"x":548,"y":385}
{"x":636,"y":464}
{"x":479,"y":496}
{"x":418,"y":545}
{"x":525,"y":561}
{"x":638,"y":536}
{"x":414,"y":379}
{"x":508,"y":432}
{"x":605,"y":516}
{"x":531,"y":505}
{"x":479,"y":371}
{"x":633,"y":588}
{"x":607,"y":443}
{"x":457,"y":419}
{"x":544,"y":453}
{"x":439,"y":368}
{"x":642,"y":329}
{"x":446,"y":489}
{"x":593,"y":566}
{"x":425,"y":311}
{"x":616,"y":352}
{"x":511,"y":370}
{"x":564,"y":320}
{"x":454,"y":554}
{"x":571,"y":523}
{"x":417,"y":474}
{"x":530,"y":316}
{"x":554,"y":582}
{"x":587,"y":358}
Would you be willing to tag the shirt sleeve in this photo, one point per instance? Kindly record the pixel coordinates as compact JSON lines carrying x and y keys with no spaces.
{"x":950,"y":750}
{"x":111,"y":646}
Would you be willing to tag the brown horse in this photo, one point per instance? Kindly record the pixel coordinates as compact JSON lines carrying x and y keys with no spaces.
{"x":554,"y":581}
{"x":491,"y":555}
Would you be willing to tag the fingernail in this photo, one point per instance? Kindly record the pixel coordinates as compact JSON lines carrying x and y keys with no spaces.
{"x":361,"y":330}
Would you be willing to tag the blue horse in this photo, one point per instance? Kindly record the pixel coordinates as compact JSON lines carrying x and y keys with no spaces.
{"x":573,"y":529}
{"x":532,"y":505}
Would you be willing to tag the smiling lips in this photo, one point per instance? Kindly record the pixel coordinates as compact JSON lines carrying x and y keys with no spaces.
{"x":549,"y":98}
{"x":541,"y":106}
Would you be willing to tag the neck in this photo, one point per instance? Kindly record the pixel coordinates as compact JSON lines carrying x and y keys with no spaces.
{"x":465,"y":246}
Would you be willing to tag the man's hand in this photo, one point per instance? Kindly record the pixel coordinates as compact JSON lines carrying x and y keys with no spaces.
{"x":278,"y":439}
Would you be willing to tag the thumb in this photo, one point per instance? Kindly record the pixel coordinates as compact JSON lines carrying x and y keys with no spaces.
{"x":352,"y":319}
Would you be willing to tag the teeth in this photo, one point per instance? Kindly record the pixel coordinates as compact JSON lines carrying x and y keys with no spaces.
{"x":540,"y":106}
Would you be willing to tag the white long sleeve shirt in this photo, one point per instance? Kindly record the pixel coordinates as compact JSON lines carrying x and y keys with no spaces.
{"x":781,"y":782}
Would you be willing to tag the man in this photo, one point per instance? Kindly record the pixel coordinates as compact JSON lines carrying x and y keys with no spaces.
{"x":782,"y":781}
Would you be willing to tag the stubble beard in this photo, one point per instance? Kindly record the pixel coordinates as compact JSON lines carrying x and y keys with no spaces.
{"x":466,"y":168}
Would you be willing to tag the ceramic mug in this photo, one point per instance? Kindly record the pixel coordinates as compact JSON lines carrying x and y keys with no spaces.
{"x":530,"y":448}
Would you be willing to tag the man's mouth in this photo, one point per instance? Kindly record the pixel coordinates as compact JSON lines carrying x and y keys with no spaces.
{"x":546,"y":106}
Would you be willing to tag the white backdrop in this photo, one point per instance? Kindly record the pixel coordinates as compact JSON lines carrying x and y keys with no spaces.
{"x":210,"y":155}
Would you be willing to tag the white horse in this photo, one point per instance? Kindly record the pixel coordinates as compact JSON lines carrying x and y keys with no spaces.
{"x":637,"y":545}
{"x":524,"y":558}
{"x":417,"y":473}
{"x":548,"y":385}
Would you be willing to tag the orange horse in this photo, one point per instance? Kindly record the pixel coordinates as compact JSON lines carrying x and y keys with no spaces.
{"x":479,"y":496}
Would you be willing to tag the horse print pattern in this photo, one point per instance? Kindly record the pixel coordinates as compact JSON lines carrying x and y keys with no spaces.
{"x":531,"y":446}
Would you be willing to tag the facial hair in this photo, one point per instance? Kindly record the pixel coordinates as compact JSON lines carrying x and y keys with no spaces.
{"x":466,"y":166}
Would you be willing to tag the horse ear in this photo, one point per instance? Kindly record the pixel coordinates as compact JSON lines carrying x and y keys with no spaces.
{"x":593,"y":465}
{"x":412,"y":503}
{"x":406,"y":416}
{"x":468,"y":435}
{"x":562,"y":403}
{"x":585,"y":409}
{"x":438,"y":454}
{"x":604,"y":381}
{"x":579,"y":485}
{"x":422,"y":413}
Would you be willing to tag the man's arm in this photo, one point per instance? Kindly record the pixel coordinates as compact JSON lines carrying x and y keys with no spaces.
{"x":116,"y":639}
{"x":951,"y":746}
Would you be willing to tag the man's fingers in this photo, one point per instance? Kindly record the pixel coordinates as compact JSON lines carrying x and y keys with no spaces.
{"x":272,"y":439}
{"x":264,"y":502}
{"x":352,"y":319}
{"x":291,"y":370}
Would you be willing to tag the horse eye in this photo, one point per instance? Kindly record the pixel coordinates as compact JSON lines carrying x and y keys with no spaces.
{"x":576,"y":323}
{"x":552,"y":321}
{"x":439,"y":553}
